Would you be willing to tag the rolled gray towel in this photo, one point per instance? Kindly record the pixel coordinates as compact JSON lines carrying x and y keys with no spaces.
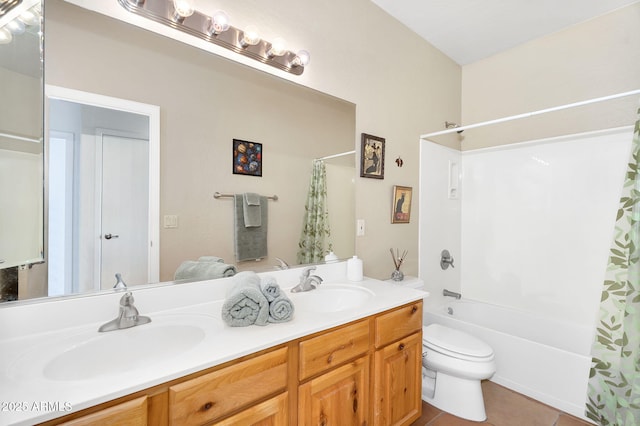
{"x":281,"y":309}
{"x":270,"y":288}
{"x":245,"y":304}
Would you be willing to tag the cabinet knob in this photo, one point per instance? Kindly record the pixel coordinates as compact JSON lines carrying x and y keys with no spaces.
{"x":207,"y":406}
{"x":401,"y":347}
{"x":414,"y":309}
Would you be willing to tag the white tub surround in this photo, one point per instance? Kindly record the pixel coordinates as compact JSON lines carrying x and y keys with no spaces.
{"x":37,"y":329}
{"x":545,"y":359}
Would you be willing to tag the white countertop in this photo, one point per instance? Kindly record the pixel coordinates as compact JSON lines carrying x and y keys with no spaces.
{"x":28,"y":397}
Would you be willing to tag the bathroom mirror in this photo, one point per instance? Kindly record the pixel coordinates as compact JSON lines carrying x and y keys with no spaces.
{"x":21,"y":118}
{"x":205,"y":102}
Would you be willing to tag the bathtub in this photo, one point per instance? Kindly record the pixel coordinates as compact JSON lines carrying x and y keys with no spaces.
{"x":547,"y":360}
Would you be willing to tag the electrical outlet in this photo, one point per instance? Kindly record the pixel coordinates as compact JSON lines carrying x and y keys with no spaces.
{"x":360,"y":228}
{"x":170,"y":221}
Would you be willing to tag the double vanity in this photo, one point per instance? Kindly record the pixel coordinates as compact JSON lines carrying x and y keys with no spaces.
{"x":350,"y":355}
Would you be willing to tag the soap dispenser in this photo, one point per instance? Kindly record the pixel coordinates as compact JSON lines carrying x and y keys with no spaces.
{"x":354,"y":269}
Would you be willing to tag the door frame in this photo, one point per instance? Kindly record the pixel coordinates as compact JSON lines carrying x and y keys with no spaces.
{"x":153,"y":113}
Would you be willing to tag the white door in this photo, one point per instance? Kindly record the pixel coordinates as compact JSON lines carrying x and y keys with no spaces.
{"x":124,"y":210}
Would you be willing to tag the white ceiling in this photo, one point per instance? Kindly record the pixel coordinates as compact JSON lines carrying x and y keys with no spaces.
{"x":469,"y":30}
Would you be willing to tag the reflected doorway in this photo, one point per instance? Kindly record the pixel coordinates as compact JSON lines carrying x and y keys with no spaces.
{"x":103,"y":192}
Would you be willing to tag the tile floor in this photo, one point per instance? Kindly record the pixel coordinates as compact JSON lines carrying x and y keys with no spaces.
{"x":504,"y":408}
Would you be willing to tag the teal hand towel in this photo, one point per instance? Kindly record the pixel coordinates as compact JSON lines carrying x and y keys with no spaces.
{"x":252,"y":210}
{"x":245,"y":304}
{"x":249,"y":243}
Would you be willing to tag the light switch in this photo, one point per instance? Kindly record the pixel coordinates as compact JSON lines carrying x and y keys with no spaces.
{"x":170,"y":221}
{"x":360,"y":228}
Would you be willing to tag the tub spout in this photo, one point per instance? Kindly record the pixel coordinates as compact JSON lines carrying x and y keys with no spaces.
{"x":446,"y":292}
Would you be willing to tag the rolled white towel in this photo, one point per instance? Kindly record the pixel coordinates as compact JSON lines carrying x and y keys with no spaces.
{"x":245,"y":304}
{"x":281,"y":309}
{"x":270,"y":288}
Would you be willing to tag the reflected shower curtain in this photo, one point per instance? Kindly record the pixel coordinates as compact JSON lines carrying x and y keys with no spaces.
{"x":614,"y":379}
{"x":315,"y":228}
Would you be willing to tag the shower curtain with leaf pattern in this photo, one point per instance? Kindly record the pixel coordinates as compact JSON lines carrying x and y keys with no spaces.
{"x":614,"y":383}
{"x":315,"y":228}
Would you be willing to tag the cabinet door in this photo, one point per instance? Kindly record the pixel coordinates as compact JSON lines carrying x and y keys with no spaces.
{"x":272,"y":412}
{"x":398,"y":382}
{"x":130,"y":413}
{"x":339,"y":397}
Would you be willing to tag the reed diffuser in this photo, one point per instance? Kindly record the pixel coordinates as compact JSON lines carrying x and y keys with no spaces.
{"x":397,"y":274}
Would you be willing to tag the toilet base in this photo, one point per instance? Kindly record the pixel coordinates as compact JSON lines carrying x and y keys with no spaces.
{"x":460,"y":397}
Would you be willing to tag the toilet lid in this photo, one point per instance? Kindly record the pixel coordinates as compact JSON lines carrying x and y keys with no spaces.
{"x":455,"y":341}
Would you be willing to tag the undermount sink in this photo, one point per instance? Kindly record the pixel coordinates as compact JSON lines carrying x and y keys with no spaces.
{"x":332,"y":298}
{"x":90,"y":354}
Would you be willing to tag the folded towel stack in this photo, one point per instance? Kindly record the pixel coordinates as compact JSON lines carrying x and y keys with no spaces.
{"x":255,"y":301}
{"x":205,"y":268}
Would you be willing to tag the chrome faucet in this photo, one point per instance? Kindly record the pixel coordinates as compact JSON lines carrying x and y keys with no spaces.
{"x":446,"y":292}
{"x":128,"y":316}
{"x":282,"y":265}
{"x":307,"y":281}
{"x":120,"y":284}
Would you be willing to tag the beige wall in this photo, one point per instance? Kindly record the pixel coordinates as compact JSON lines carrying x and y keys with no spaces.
{"x":596,"y":58}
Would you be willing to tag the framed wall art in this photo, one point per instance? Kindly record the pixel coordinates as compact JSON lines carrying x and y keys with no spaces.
{"x":247,"y":158}
{"x":372,"y":157}
{"x":401,"y":206}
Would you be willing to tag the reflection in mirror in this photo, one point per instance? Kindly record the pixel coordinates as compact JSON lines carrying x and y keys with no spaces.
{"x":21,"y":196}
{"x":102,"y":191}
{"x":205,"y":102}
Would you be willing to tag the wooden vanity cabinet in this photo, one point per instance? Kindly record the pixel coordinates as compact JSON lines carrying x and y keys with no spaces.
{"x":364,"y":372}
{"x":397,"y":367}
{"x":339,"y":394}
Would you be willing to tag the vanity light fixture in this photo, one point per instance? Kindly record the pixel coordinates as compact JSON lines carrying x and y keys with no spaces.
{"x":218,"y":23}
{"x":278,"y":47}
{"x":250,"y":37}
{"x":182,"y":9}
{"x":216,"y":29}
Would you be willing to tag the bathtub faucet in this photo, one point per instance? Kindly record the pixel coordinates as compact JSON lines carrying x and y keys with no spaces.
{"x":446,"y":292}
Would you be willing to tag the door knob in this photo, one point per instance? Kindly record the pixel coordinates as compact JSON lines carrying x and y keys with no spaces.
{"x":110,"y":236}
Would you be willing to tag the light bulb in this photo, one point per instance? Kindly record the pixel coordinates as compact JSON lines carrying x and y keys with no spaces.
{"x":278,"y":47}
{"x":183,"y":9}
{"x":16,"y":27}
{"x":218,"y":23}
{"x":250,"y":36}
{"x":301,"y":59}
{"x":5,"y":36}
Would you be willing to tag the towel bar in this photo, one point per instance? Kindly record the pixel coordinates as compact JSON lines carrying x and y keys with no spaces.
{"x":219,"y":195}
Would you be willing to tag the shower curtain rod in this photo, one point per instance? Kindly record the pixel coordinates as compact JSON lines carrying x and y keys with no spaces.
{"x":342,"y":154}
{"x":531,"y":114}
{"x":20,"y":138}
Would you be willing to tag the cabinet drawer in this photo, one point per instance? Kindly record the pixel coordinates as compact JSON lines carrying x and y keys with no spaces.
{"x":130,"y":413}
{"x":216,"y":394}
{"x":398,"y":323}
{"x":323,"y":352}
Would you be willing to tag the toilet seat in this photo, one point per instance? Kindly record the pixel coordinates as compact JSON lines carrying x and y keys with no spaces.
{"x":455,"y":343}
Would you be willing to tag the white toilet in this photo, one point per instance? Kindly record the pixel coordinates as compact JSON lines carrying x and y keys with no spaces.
{"x":453,"y":364}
